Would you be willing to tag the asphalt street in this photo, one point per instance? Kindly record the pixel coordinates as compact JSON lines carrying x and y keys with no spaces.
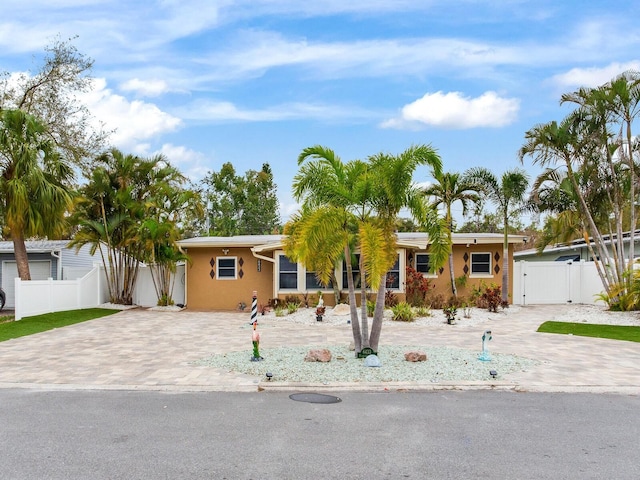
{"x":52,"y":434}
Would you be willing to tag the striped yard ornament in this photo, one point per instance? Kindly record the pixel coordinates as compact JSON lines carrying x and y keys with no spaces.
{"x":255,"y":336}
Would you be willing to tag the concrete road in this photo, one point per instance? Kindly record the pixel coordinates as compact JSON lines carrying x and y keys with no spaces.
{"x":435,"y":435}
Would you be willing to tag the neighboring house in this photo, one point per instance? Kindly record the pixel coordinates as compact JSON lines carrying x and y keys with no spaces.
{"x":224,"y":271}
{"x":47,"y":259}
{"x":573,"y":251}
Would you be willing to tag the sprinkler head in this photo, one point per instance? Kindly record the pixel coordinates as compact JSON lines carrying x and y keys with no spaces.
{"x":269,"y":376}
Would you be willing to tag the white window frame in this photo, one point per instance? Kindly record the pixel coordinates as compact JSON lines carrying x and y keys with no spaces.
{"x":402,"y":265}
{"x":313,"y":289}
{"x":279,"y":289}
{"x":481,"y":274}
{"x":426,"y":274}
{"x":235,"y":268}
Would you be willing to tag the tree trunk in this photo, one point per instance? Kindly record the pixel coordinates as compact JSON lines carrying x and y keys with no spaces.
{"x":505,"y":259}
{"x":363,"y":305}
{"x":378,"y":316}
{"x":353,"y":309}
{"x":454,"y":290}
{"x":22,"y":259}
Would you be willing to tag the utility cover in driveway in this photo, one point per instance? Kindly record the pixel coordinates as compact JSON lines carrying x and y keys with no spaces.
{"x":314,"y":398}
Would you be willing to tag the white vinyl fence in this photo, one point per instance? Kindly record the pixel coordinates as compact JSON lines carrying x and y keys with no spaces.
{"x":35,"y":297}
{"x":555,"y":283}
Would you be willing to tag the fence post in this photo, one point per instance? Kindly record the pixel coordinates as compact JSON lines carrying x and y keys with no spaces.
{"x":16,"y":291}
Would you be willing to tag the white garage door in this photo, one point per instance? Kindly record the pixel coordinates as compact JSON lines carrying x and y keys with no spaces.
{"x":39,"y":269}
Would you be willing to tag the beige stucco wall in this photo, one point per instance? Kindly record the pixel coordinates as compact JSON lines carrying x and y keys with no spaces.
{"x":206,"y":293}
{"x":443,"y":284}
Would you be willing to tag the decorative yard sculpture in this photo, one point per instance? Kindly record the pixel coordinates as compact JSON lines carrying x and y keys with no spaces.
{"x":485,"y":356}
{"x":255,"y":337}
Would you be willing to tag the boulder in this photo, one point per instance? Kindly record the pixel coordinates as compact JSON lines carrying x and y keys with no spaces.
{"x":372,"y":361}
{"x":318,"y":355}
{"x":341,"y":309}
{"x":415,"y":356}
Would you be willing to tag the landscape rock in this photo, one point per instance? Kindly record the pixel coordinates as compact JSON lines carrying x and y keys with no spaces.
{"x":340,"y":309}
{"x":415,"y":356}
{"x":372,"y":361}
{"x":318,"y":355}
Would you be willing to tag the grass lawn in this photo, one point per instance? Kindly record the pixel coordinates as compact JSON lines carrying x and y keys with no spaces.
{"x":614,"y":332}
{"x":49,"y":321}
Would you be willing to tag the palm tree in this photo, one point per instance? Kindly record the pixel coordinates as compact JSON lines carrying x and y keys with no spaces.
{"x":449,"y":189}
{"x":570,"y":142}
{"x":126,"y":205}
{"x":33,"y":179}
{"x":508,"y":194}
{"x":322,"y":234}
{"x":355,"y":205}
{"x":393,"y":190}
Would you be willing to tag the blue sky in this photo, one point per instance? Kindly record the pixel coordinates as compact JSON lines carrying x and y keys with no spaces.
{"x":252,"y":81}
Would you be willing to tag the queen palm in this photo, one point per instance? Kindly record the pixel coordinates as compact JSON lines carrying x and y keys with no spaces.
{"x":323,"y":232}
{"x":33,"y":179}
{"x":508,"y":194}
{"x":393,"y":190}
{"x":353,"y":204}
{"x":449,"y":189}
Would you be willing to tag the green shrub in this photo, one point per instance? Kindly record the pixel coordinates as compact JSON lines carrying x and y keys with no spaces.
{"x":403,"y":312}
{"x":280,"y":311}
{"x":423,"y":312}
{"x":292,"y":299}
{"x":292,"y":307}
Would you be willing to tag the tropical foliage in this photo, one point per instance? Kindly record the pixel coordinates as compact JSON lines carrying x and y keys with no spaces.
{"x":448,"y":189}
{"x":353,"y":207}
{"x":595,"y":149}
{"x":34,"y":182}
{"x":129,"y":211}
{"x":508,"y":193}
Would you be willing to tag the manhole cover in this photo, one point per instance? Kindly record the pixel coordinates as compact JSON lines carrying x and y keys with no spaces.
{"x":314,"y":398}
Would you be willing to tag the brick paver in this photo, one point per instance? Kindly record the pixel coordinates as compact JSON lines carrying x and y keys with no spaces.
{"x":144,"y":349}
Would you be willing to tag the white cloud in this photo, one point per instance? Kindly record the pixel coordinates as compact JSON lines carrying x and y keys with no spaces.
{"x":453,"y":110}
{"x":132,"y":121}
{"x":190,"y":162}
{"x":219,"y":111}
{"x":146,"y":88}
{"x":593,"y":77}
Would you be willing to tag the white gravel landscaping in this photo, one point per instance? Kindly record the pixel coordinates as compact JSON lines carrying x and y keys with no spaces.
{"x":443,"y":365}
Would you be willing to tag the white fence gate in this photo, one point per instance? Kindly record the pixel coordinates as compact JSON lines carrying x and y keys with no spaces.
{"x":555,"y":282}
{"x":35,"y":297}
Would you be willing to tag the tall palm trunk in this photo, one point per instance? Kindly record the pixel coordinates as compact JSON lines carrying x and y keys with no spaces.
{"x":363,"y":305}
{"x":353,"y":309}
{"x":378,"y":314}
{"x":505,"y":259}
{"x":22,"y":259}
{"x":454,"y":290}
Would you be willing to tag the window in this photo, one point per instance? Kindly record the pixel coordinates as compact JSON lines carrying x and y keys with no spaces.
{"x":566,"y":258}
{"x":393,"y":275}
{"x":356,"y":272}
{"x":312,"y":282}
{"x":287,"y":274}
{"x":480,"y":264}
{"x":422,"y":263}
{"x":226,"y":268}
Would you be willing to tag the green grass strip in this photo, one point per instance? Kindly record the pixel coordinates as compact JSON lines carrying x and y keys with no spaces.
{"x":614,"y":332}
{"x":49,"y":321}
